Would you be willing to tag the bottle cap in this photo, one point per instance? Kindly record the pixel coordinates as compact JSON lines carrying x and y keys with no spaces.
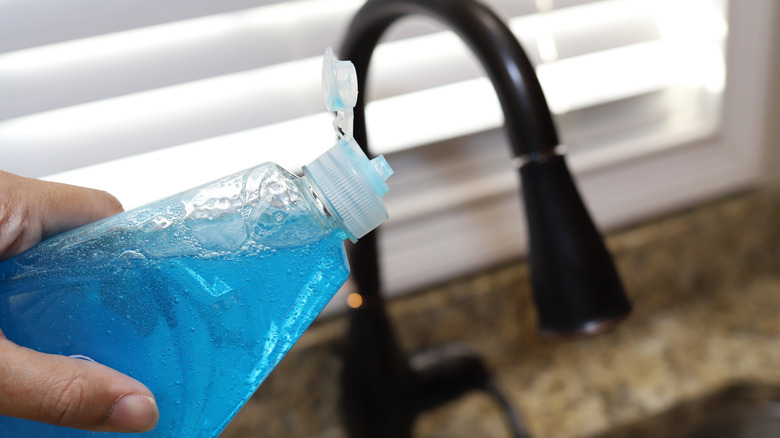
{"x":349,"y":184}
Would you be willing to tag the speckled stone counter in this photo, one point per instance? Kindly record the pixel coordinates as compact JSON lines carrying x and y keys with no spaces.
{"x":705,"y":284}
{"x":586,"y":387}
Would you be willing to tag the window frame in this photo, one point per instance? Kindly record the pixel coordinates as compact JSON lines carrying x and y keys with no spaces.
{"x":438,"y":232}
{"x":620,"y":186}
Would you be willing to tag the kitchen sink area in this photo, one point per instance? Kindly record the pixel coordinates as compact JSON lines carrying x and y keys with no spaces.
{"x":699,"y":356}
{"x":584,"y":222}
{"x":740,"y":411}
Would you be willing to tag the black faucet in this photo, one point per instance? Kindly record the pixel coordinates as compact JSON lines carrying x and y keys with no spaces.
{"x":576,"y":288}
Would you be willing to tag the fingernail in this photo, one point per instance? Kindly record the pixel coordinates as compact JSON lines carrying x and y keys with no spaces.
{"x":134,"y":413}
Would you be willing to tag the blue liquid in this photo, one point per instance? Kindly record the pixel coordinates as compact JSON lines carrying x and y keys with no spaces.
{"x":199,"y":307}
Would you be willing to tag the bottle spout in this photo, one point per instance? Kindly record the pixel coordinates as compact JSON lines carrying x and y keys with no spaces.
{"x":383,"y":171}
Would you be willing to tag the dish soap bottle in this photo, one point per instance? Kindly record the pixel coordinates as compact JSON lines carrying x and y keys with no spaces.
{"x":200,"y":295}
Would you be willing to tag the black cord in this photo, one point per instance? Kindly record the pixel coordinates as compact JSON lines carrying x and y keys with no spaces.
{"x":446,"y":372}
{"x":514,"y":422}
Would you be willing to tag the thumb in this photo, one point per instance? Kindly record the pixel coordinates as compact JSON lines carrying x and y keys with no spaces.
{"x":71,"y":392}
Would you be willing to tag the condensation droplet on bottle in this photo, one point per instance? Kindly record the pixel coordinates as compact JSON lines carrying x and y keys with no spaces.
{"x":130,"y":259}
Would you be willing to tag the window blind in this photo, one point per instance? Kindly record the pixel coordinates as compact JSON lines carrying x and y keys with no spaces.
{"x":92,"y":82}
{"x":144,"y":99}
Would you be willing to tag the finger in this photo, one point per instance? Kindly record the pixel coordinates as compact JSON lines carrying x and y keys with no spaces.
{"x":64,"y":206}
{"x":31,"y":210}
{"x":71,"y":392}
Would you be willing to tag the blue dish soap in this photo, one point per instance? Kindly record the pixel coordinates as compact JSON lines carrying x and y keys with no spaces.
{"x":200,"y":295}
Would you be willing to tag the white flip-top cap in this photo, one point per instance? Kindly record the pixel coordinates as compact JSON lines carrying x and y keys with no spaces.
{"x":349,"y":184}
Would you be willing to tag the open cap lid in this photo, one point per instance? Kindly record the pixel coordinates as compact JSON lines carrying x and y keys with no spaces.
{"x":339,"y":83}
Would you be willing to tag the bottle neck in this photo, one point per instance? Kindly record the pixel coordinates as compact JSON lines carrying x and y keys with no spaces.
{"x":321,"y":207}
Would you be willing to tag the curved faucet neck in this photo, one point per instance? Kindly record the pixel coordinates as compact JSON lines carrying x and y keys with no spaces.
{"x":576,"y":287}
{"x":529,"y":124}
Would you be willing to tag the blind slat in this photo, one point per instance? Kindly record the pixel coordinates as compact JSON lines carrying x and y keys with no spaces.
{"x":31,"y":23}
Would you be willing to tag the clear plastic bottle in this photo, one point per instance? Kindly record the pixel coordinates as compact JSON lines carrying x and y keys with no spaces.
{"x":201,"y":294}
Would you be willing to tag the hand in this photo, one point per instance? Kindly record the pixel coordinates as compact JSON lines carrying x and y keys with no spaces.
{"x":51,"y":388}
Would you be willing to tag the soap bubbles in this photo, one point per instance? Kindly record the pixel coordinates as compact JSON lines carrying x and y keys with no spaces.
{"x":213,"y":215}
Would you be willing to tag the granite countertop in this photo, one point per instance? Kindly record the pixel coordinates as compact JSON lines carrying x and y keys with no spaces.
{"x":650,"y":365}
{"x":705,"y":285}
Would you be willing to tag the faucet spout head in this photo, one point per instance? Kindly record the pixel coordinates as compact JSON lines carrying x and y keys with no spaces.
{"x":576,"y":287}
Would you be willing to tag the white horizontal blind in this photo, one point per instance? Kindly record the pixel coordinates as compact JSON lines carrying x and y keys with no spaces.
{"x":154,"y":97}
{"x":167,"y":77}
{"x":111,"y":80}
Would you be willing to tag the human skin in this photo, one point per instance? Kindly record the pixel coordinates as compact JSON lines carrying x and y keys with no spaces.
{"x":52,"y":388}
